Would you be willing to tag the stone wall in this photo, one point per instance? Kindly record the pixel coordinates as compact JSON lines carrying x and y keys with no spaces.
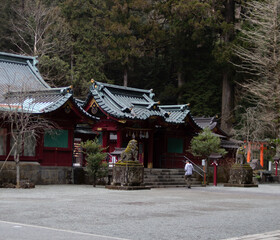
{"x":36,"y":173}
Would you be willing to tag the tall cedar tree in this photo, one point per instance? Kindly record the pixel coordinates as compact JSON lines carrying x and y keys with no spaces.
{"x":87,"y":35}
{"x":192,"y":30}
{"x":126,"y":24}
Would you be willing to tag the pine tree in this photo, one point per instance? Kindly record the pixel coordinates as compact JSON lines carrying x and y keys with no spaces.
{"x":205,"y":144}
{"x":95,"y":156}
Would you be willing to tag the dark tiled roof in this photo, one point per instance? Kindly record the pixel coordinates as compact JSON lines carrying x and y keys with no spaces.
{"x":177,"y":113}
{"x":134,"y":103}
{"x":19,"y":73}
{"x":204,"y":122}
{"x":40,"y":101}
{"x":22,"y":87}
{"x":231,"y":143}
{"x":125,"y":102}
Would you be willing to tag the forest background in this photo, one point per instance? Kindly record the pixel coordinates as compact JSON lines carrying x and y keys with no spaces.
{"x":182,"y":49}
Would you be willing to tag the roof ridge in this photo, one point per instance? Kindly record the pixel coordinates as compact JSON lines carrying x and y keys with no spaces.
{"x":50,"y":91}
{"x":13,"y":57}
{"x":123,"y":87}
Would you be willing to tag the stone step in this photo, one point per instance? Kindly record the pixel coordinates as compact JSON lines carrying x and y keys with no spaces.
{"x":165,"y":177}
{"x":164,"y":172}
{"x":164,"y":183}
{"x":156,"y":178}
{"x":172,"y":186}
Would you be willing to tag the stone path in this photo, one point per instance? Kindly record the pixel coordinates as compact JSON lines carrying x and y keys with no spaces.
{"x":71,"y":212}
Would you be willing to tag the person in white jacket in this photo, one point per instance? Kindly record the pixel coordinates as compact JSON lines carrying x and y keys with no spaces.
{"x":188,"y":173}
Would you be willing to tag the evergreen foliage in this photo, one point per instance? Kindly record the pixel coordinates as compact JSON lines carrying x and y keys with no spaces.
{"x":205,"y":144}
{"x":174,"y":47}
{"x":95,"y":156}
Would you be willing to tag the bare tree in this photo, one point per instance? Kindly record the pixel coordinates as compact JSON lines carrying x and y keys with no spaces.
{"x":260,"y":58}
{"x":252,"y":126}
{"x":18,"y":112}
{"x":40,"y":29}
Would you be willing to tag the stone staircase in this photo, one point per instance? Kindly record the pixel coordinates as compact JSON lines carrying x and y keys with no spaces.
{"x":163,"y":178}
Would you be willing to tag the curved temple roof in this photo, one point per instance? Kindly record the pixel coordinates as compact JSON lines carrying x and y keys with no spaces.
{"x":19,"y":73}
{"x":133,"y":103}
{"x":41,"y":101}
{"x":23,"y":89}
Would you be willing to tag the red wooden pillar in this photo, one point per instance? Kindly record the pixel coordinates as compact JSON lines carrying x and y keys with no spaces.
{"x":249,"y":152}
{"x":151,"y":150}
{"x":261,"y":155}
{"x":119,"y":139}
{"x":215,"y":164}
{"x":276,"y":167}
{"x":105,"y":139}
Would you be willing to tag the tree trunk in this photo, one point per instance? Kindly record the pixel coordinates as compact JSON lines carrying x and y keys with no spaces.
{"x":180,"y":79}
{"x":227,"y":103}
{"x":227,"y":94}
{"x":94,"y":181}
{"x":181,"y":82}
{"x":125,"y":76}
{"x":17,"y":172}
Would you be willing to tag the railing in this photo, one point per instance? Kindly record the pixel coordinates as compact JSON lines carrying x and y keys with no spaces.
{"x":172,"y":160}
{"x":111,"y":160}
{"x":196,"y":168}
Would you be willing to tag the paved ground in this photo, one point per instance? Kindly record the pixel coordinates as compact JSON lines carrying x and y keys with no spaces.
{"x":83,"y":212}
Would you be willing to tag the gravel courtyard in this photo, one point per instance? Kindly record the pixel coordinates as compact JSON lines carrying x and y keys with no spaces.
{"x":83,"y":212}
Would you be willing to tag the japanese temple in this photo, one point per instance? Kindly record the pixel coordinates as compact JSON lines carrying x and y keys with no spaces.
{"x":114,"y":114}
{"x":163,"y":132}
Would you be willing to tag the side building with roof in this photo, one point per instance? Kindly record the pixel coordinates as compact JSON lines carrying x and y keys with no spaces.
{"x":49,"y":158}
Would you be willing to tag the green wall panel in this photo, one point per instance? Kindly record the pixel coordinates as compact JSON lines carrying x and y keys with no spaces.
{"x":57,"y":138}
{"x":175,"y":145}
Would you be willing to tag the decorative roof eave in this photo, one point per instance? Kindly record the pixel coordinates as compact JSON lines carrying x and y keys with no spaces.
{"x":189,"y":118}
{"x":36,"y":102}
{"x":82,"y":111}
{"x":211,"y":123}
{"x":179,"y":114}
{"x":204,"y":122}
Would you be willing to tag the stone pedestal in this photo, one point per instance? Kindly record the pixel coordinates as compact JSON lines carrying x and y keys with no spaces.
{"x":128,"y":176}
{"x":241,"y":175}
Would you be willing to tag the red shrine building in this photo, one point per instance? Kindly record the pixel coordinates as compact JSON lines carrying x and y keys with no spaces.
{"x":114,"y":114}
{"x":48,"y":158}
{"x":163,"y":132}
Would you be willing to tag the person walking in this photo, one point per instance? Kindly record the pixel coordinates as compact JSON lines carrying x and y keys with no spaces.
{"x":188,"y":173}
